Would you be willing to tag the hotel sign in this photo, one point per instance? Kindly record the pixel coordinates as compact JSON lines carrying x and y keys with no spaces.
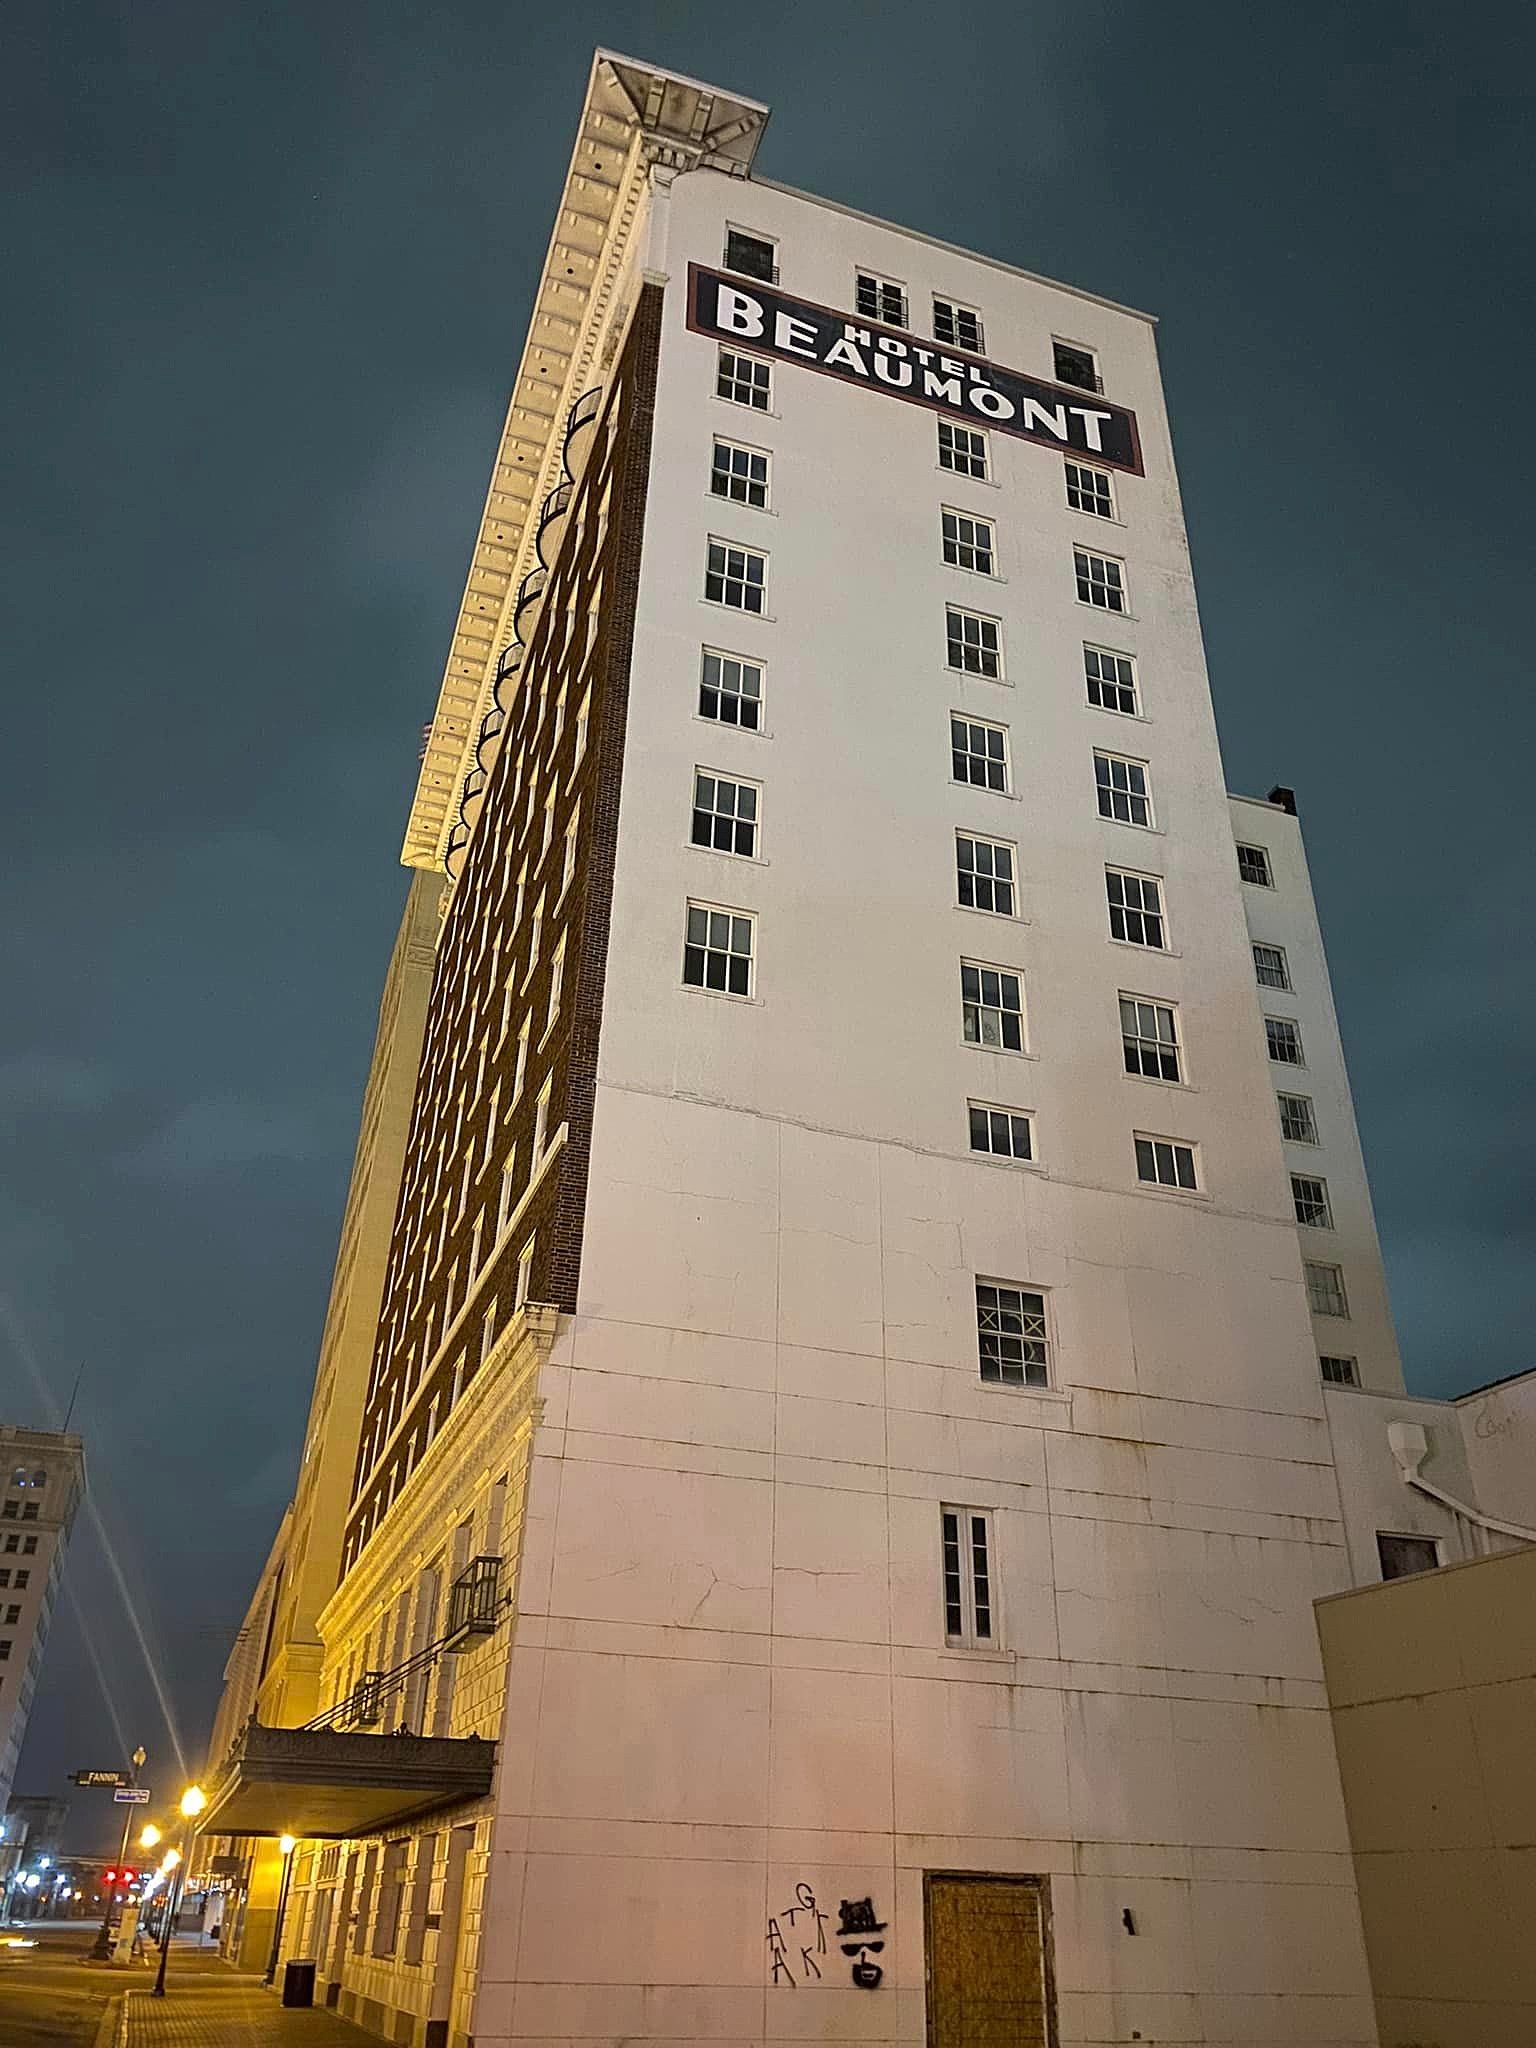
{"x":762,"y":321}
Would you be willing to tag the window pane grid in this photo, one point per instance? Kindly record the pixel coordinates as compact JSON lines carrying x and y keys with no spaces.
{"x":978,"y":753}
{"x":735,"y":576}
{"x":962,"y":449}
{"x":1149,"y":1033}
{"x":1283,"y":1037}
{"x":1269,"y":966}
{"x":1325,"y":1289}
{"x":984,"y":872}
{"x":1100,"y":580}
{"x":1297,"y":1121}
{"x":981,"y":1579}
{"x":1135,"y":908}
{"x":1310,"y":1196}
{"x":957,"y":325}
{"x":717,"y":952}
{"x":1006,"y":1133}
{"x":724,"y":814}
{"x":1088,"y":490}
{"x":969,"y":543}
{"x":878,"y":299}
{"x":954,"y":1600}
{"x":1164,"y":1163}
{"x":744,"y":380}
{"x":1012,"y":1343}
{"x":1075,"y":366}
{"x":1253,"y":866}
{"x":1111,"y":680}
{"x":740,"y":474}
{"x":972,"y":643}
{"x":1339,"y":1372}
{"x":992,"y":1003}
{"x":1123,"y":790}
{"x":731,"y":690}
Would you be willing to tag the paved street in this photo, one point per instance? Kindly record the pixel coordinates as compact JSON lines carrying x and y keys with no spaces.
{"x":50,"y":1997}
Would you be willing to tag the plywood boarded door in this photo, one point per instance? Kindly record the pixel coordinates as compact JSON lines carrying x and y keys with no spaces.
{"x":989,"y":1961}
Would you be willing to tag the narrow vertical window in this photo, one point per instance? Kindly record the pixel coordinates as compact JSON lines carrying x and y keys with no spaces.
{"x":524,"y":1274}
{"x":965,"y":1544}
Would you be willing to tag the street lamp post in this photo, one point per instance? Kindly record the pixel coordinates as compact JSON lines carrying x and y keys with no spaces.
{"x":192,"y":1803}
{"x":286,"y":1844}
{"x":101,"y":1948}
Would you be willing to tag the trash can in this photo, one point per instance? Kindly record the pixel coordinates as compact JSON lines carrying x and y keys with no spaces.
{"x":299,"y":1983}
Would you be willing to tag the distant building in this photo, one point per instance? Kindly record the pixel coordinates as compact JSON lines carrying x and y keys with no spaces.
{"x":882,"y":1337}
{"x":44,"y":1479}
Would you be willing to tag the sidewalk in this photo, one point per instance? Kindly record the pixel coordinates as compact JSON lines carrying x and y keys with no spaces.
{"x":209,"y":2005}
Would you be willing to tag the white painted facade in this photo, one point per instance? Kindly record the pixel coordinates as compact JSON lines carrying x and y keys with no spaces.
{"x":42,"y":1478}
{"x":730,"y":1674}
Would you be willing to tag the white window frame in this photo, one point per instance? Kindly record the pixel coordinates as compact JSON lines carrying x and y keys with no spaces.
{"x":978,"y":645}
{"x":968,"y":1596}
{"x":1287,"y":1024}
{"x":980,"y":545}
{"x":1331,"y":1284}
{"x":1107,"y":509}
{"x":1161,"y":913}
{"x":556,"y":984}
{"x":730,"y":577}
{"x":1120,"y":584}
{"x":1116,"y":654}
{"x":954,"y":307}
{"x":985,"y":967}
{"x":1160,"y":1047}
{"x":1349,"y":1377}
{"x":1282,"y":1097}
{"x":524,"y":1283}
{"x":1267,"y":879}
{"x":755,"y":822}
{"x":746,"y":995}
{"x":1284,"y":968}
{"x":1175,"y":1146}
{"x":742,"y":662}
{"x":769,"y":242}
{"x":1321,"y":1200}
{"x":989,"y":1110}
{"x":541,"y":1121}
{"x":989,"y":725}
{"x":1079,"y":348}
{"x":724,"y":376}
{"x":982,"y":882}
{"x":1036,"y":1346}
{"x":749,"y":481}
{"x":1131,"y":797}
{"x":882,"y":284}
{"x":977,"y":441}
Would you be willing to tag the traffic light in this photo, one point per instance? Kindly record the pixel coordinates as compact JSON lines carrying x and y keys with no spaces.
{"x":111,"y":1877}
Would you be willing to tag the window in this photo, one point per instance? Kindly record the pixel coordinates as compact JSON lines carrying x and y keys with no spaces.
{"x":1111,"y":680}
{"x":568,"y":862}
{"x":963,"y":449}
{"x":735,"y":576}
{"x":1310,"y":1196}
{"x":1135,"y":908}
{"x":1296,"y":1119}
{"x":973,"y":643}
{"x":965,"y":1540}
{"x":520,"y":1069}
{"x":1100,"y":580}
{"x":959,"y":325}
{"x":5,"y":1649}
{"x":28,"y":1546}
{"x":488,"y":1331}
{"x":717,"y":952}
{"x":506,"y":1197}
{"x":992,"y":1002}
{"x":5,"y":1575}
{"x":1325,"y":1289}
{"x":731,"y":690}
{"x":1339,"y":1372}
{"x":984,"y":873}
{"x":740,"y":474}
{"x":1284,"y":1041}
{"x":23,"y":1579}
{"x":1123,"y":791}
{"x":556,"y":983}
{"x":744,"y":380}
{"x":1164,"y":1163}
{"x":969,"y":543}
{"x":11,"y":1511}
{"x":1006,"y":1133}
{"x":1269,"y":966}
{"x":541,"y":1121}
{"x":1253,"y":866}
{"x":13,"y":1614}
{"x":751,"y":255}
{"x":1011,"y":1336}
{"x":524,"y":1274}
{"x":1402,"y":1556}
{"x":978,"y":752}
{"x":1090,"y":490}
{"x":1149,"y":1033}
{"x":1076,"y":366}
{"x":877,"y":298}
{"x":724,"y":814}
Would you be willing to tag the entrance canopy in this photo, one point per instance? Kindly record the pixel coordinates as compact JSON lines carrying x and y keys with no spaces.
{"x":317,"y":1782}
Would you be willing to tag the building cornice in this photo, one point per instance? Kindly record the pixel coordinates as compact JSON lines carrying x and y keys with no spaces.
{"x":635,"y":117}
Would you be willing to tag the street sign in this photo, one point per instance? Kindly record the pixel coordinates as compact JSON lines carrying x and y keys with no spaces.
{"x":103,"y":1777}
{"x":132,"y":1795}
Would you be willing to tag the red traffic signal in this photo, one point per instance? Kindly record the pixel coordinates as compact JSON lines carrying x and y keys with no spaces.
{"x":111,"y":1877}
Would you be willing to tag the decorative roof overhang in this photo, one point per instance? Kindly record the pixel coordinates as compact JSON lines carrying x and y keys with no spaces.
{"x":320,"y":1782}
{"x":635,"y":116}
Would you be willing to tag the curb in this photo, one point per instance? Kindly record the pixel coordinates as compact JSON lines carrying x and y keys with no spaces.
{"x":112,"y":2028}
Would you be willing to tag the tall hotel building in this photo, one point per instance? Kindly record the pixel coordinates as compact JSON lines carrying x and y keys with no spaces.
{"x":824,"y":1538}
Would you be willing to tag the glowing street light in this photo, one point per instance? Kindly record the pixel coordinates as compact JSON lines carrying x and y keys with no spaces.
{"x":286,"y":1845}
{"x":192,"y":1802}
{"x":149,"y":1836}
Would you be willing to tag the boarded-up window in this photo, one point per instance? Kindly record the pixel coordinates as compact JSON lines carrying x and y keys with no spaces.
{"x":989,"y":1963}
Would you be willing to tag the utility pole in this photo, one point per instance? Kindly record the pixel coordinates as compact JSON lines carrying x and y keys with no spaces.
{"x":101,"y":1948}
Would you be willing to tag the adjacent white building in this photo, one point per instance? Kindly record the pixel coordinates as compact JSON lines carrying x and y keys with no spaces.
{"x":42,"y":1480}
{"x":849,"y":1416}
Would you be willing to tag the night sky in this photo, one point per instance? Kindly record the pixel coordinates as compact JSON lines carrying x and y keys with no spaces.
{"x":268,"y":275}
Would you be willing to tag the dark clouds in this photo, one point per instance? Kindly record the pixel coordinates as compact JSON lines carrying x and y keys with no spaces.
{"x":268,"y":271}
